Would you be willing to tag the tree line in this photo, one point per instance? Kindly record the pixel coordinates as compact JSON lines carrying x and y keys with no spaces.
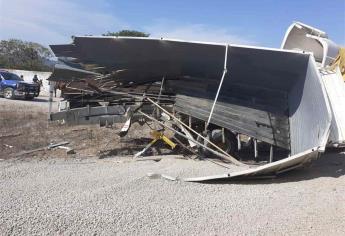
{"x":18,"y":54}
{"x":22,"y":55}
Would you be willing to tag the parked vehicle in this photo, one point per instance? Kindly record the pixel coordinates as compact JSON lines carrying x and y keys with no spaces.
{"x":12,"y":86}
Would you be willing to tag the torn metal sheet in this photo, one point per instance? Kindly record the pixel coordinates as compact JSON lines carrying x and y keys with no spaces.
{"x":275,"y":97}
{"x":335,"y":88}
{"x":270,"y":169}
{"x":67,"y":73}
{"x":303,"y":37}
{"x":268,"y":94}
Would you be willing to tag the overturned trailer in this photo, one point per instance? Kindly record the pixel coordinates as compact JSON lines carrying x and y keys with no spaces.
{"x":269,"y":96}
{"x":302,"y":37}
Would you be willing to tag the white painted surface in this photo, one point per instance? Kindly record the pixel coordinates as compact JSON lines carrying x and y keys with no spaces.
{"x":302,"y":37}
{"x":310,"y":112}
{"x":335,"y":88}
{"x":29,"y":75}
{"x":273,"y":168}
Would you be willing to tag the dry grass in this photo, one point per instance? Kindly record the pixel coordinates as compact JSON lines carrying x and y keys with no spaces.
{"x":27,"y":124}
{"x":26,"y":127}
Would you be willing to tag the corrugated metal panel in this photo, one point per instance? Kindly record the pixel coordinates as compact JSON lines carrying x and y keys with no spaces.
{"x":335,"y":88}
{"x":310,"y":115}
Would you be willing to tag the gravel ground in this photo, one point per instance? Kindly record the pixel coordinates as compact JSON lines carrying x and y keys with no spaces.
{"x":114,"y":196}
{"x":50,"y":193}
{"x":40,"y":102}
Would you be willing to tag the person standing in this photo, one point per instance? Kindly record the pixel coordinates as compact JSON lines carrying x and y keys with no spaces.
{"x":35,"y":79}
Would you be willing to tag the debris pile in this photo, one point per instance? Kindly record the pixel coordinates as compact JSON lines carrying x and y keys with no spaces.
{"x":244,"y":105}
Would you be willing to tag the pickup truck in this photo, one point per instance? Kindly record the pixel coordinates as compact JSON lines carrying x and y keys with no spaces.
{"x":12,"y":86}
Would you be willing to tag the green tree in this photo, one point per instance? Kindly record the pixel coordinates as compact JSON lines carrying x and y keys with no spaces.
{"x":127,"y":33}
{"x":18,"y":54}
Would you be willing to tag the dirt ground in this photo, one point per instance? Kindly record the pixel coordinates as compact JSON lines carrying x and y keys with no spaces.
{"x":101,"y":190}
{"x":24,"y":127}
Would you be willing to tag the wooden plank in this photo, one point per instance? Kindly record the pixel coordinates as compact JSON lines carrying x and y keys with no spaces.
{"x":244,"y":111}
{"x":248,"y":115}
{"x":245,"y":124}
{"x":257,"y":111}
{"x":242,"y":127}
{"x":252,"y":102}
{"x":232,"y":109}
{"x":233,"y":92}
{"x":237,"y":125}
{"x":28,"y":152}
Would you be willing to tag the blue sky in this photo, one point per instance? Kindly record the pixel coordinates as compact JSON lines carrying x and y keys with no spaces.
{"x":261,"y":22}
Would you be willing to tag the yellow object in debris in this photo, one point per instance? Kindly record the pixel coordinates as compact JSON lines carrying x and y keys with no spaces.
{"x":159,"y":135}
{"x":340,"y":61}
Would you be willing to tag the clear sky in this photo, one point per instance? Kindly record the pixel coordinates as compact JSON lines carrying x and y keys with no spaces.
{"x":255,"y":22}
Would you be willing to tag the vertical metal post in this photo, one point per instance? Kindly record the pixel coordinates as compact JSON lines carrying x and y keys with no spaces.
{"x":271,"y":153}
{"x":238,"y":142}
{"x":159,"y":97}
{"x":255,"y":148}
{"x":219,"y":87}
{"x":190,"y":121}
{"x":50,"y":101}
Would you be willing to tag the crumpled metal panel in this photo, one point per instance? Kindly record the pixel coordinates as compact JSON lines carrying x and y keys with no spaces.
{"x":67,"y":73}
{"x":270,"y":169}
{"x":310,"y":114}
{"x":277,"y":82}
{"x":303,"y":37}
{"x":335,"y":88}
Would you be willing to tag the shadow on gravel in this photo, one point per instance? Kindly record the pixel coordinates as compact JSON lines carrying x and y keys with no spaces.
{"x":25,"y":101}
{"x":328,"y":165}
{"x":33,"y":100}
